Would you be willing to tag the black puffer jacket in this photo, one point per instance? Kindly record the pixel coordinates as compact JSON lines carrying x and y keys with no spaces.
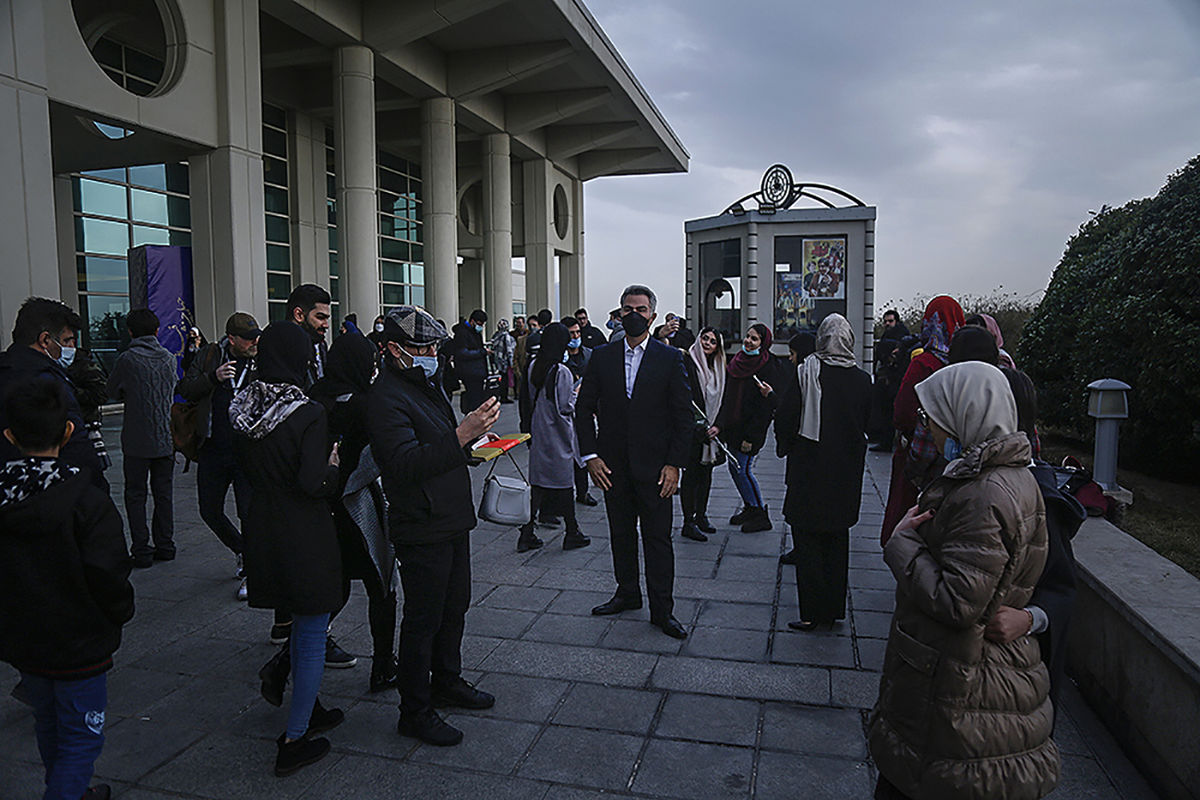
{"x":424,"y":468}
{"x":64,"y":571}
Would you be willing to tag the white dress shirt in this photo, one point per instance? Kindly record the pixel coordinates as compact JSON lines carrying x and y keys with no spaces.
{"x":633,"y":362}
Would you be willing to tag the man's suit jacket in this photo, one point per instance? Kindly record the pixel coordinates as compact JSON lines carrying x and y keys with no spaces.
{"x":644,"y":432}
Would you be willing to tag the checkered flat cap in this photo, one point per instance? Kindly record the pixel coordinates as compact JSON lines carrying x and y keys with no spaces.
{"x":413,"y":325}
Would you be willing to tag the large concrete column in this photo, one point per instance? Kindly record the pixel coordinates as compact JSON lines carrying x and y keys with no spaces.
{"x":27,"y":237}
{"x":497,"y":224}
{"x":471,"y":295}
{"x":229,"y":254}
{"x":570,"y":267}
{"x":358,"y":204}
{"x":539,"y":247}
{"x":439,"y":169}
{"x":309,"y":220}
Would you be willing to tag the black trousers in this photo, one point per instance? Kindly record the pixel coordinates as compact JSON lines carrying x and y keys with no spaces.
{"x":552,"y":502}
{"x":581,"y":481}
{"x":886,"y":790}
{"x":821,"y":570}
{"x":631,"y":505}
{"x":160,"y":471}
{"x":472,"y":395}
{"x":216,"y":471}
{"x":437,"y":592}
{"x":694,"y":488}
{"x":381,"y":600}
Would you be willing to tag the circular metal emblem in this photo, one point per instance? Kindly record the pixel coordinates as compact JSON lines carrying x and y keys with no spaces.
{"x":777,"y":185}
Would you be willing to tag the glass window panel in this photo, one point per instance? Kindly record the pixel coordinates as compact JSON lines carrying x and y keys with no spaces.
{"x":143,"y":66}
{"x":152,"y":176}
{"x":117,"y":76}
{"x":115,"y":174}
{"x":104,"y":325}
{"x":277,"y":312}
{"x":331,"y":212}
{"x":279,"y":257}
{"x":274,"y":142}
{"x":279,"y":286}
{"x":333,"y":239}
{"x":420,"y":233}
{"x":276,"y":199}
{"x":102,"y":236}
{"x":273,"y":115}
{"x":179,"y":212}
{"x":418,"y":253}
{"x":414,"y":170}
{"x":99,"y":274}
{"x":181,"y":238}
{"x":387,"y":225}
{"x":142,"y":88}
{"x":149,"y":206}
{"x":143,"y":235}
{"x":392,"y":272}
{"x":330,"y":186}
{"x":101,"y":198}
{"x":416,"y":274}
{"x":391,"y":248}
{"x":418,"y":295}
{"x":393,"y":295}
{"x":275,"y":171}
{"x":177,"y":178}
{"x":107,"y":53}
{"x":277,"y":229}
{"x":333,"y":264}
{"x":333,"y":289}
{"x":393,"y":181}
{"x":390,"y":161}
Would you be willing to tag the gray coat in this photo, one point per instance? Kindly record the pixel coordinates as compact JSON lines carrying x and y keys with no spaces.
{"x":144,"y":377}
{"x":555,"y":450}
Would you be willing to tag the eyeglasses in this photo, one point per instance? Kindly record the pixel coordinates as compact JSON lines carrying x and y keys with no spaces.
{"x":923,"y":416}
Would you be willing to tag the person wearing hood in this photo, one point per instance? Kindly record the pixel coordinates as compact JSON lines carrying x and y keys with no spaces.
{"x":959,"y":714}
{"x":423,"y":453}
{"x":292,"y":561}
{"x":943,"y":316}
{"x":376,"y":334}
{"x":64,"y":586}
{"x":554,"y":450}
{"x":821,"y":429}
{"x":746,"y":411}
{"x":705,"y":364}
{"x":1005,"y":360}
{"x":44,"y":340}
{"x":144,"y":379}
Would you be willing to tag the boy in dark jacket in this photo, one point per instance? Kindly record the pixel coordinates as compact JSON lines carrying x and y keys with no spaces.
{"x":64,"y":586}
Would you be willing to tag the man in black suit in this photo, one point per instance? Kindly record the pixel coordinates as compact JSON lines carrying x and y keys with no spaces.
{"x":637,"y":391}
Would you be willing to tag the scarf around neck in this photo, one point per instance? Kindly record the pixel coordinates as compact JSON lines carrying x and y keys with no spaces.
{"x":712,"y":388}
{"x":835,"y":347}
{"x":260,"y":408}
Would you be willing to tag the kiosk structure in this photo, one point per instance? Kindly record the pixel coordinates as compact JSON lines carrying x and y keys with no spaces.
{"x":761,"y":260}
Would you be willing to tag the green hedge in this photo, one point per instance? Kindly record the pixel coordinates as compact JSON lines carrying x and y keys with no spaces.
{"x":1124,"y":303}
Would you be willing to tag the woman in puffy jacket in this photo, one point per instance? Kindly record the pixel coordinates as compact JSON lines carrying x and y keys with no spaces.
{"x":960,"y":716}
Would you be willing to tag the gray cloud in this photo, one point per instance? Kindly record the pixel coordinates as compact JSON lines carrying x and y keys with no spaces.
{"x":983,"y":134}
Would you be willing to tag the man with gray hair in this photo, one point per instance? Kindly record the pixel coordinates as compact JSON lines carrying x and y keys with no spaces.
{"x":634,"y":424}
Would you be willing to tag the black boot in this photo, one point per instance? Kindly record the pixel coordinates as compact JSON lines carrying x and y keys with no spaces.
{"x":741,"y":516}
{"x":324,"y":719}
{"x":300,"y":753}
{"x":383,"y":672}
{"x":574,"y":540}
{"x":758,"y":521}
{"x":691,"y":532}
{"x":274,"y":675}
{"x":528,"y":539}
{"x":703,"y":525}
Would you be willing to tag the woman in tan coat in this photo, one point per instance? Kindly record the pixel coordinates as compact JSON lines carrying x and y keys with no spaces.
{"x":959,"y":716}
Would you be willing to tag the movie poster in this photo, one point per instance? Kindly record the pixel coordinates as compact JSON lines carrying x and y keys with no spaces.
{"x":793,"y":310}
{"x":823,"y":268}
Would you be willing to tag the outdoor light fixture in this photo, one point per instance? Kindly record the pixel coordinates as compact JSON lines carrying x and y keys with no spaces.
{"x":737,"y":209}
{"x":1108,"y":404}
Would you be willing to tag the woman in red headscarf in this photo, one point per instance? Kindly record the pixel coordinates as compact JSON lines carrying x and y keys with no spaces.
{"x":943,"y":316}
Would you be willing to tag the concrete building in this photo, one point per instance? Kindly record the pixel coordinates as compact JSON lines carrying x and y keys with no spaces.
{"x":395,"y":151}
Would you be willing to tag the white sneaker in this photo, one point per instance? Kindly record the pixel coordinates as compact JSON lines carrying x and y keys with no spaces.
{"x":241,"y":592}
{"x":241,"y":568}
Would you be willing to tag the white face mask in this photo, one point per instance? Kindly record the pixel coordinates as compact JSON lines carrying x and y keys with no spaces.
{"x":379,"y":327}
{"x":67,"y":357}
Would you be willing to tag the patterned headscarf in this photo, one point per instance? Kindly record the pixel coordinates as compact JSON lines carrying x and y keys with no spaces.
{"x":943,"y":316}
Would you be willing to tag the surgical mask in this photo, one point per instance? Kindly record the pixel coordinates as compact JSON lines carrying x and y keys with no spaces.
{"x":634,"y":324}
{"x":479,"y":328}
{"x":748,"y":351}
{"x":574,"y":344}
{"x":951,"y":449}
{"x":379,"y":327}
{"x":67,"y":356}
{"x":428,"y":364}
{"x":611,"y":324}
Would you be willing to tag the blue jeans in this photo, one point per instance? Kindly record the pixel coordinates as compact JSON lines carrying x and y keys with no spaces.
{"x":68,"y":718}
{"x":744,"y":479}
{"x":308,"y":667}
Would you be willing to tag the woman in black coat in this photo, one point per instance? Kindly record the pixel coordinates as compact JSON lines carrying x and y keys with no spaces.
{"x":292,"y":560}
{"x":821,"y":429}
{"x":705,"y":365}
{"x":367,"y":553}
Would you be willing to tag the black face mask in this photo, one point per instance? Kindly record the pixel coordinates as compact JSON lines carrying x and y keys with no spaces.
{"x":634,"y":324}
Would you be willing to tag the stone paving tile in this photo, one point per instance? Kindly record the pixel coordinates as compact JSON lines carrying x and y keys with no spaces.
{"x":504,"y":623}
{"x":523,"y":598}
{"x":748,"y":568}
{"x":873,"y":600}
{"x":787,"y":776}
{"x":134,"y":747}
{"x":746,"y":616}
{"x":814,"y":730}
{"x":694,"y":770}
{"x":734,"y":645}
{"x":595,"y":665}
{"x":578,"y":603}
{"x":795,"y":647}
{"x":854,"y":688}
{"x":702,"y":718}
{"x":520,"y":697}
{"x":583,"y":757}
{"x":870,"y":653}
{"x":609,"y":708}
{"x":348,"y":776}
{"x":488,"y":745}
{"x":872,"y":579}
{"x":564,"y":629}
{"x":639,"y":635}
{"x":872,"y":624}
{"x":736,"y":679}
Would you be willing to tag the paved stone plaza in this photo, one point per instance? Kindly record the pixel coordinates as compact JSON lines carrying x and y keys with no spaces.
{"x":586,"y":707}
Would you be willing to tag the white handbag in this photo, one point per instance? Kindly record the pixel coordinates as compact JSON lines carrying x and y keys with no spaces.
{"x":505,"y":499}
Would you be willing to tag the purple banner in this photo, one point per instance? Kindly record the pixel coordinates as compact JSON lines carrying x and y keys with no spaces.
{"x":160,"y":279}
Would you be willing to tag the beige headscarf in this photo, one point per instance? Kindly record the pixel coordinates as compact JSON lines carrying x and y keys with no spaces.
{"x":712,"y":387}
{"x":835,"y":347}
{"x":971,"y":401}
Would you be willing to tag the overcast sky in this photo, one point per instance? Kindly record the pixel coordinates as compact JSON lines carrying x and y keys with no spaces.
{"x":983,"y":133}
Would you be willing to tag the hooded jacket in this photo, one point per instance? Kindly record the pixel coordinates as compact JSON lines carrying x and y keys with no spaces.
{"x":64,"y":571}
{"x":144,"y":377}
{"x":960,"y":717}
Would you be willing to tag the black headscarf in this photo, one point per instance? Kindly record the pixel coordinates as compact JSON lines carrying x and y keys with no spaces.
{"x":803,"y":344}
{"x":348,"y":367}
{"x":554,"y":344}
{"x":284,"y":350}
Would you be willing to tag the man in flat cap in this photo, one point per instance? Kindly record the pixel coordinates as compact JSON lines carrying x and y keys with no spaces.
{"x":423,"y":452}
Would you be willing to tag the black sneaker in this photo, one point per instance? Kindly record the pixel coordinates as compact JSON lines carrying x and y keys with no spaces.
{"x":461,"y":694}
{"x":703,"y":525}
{"x":324,"y":719}
{"x":383,"y":673}
{"x":143,"y":562}
{"x":429,"y":727}
{"x":757,"y":522}
{"x":300,"y":753}
{"x":336,"y":657}
{"x":573,"y":541}
{"x":528,"y":541}
{"x":587,"y":500}
{"x":741,"y":516}
{"x":281,"y":632}
{"x":690,"y":531}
